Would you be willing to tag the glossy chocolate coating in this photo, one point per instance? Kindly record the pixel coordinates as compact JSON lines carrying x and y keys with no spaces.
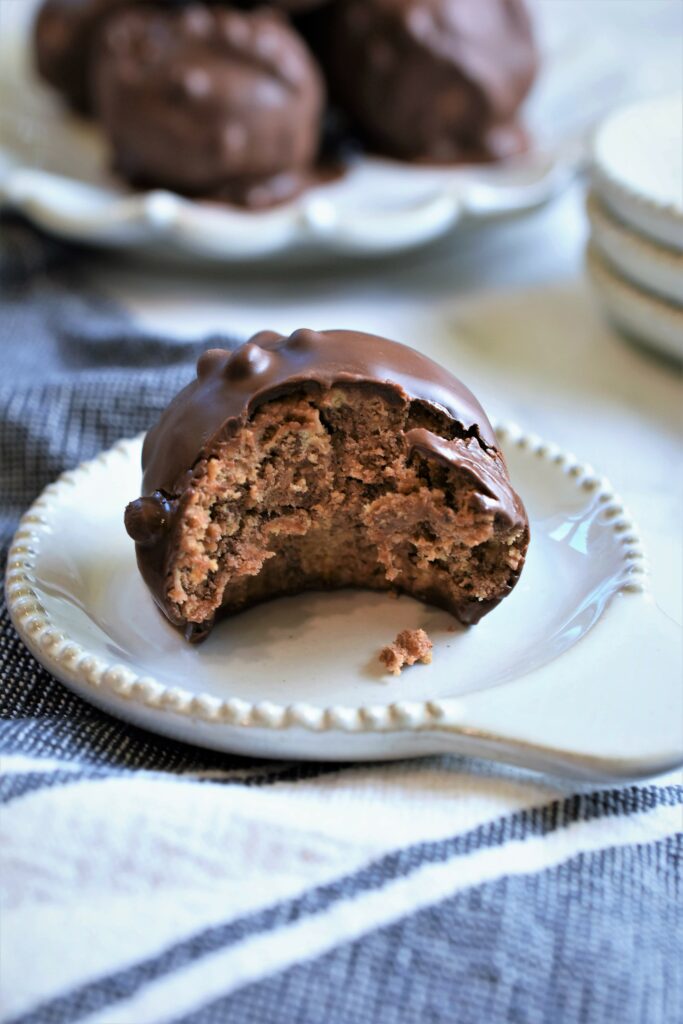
{"x":230,"y":387}
{"x":63,"y":36}
{"x":437,"y":80}
{"x":207,"y":100}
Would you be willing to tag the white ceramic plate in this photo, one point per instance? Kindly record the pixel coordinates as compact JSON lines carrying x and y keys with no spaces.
{"x":54,"y":169}
{"x":637,"y":167}
{"x":648,"y":265}
{"x":639,"y":314}
{"x":577,"y":671}
{"x":378,"y":207}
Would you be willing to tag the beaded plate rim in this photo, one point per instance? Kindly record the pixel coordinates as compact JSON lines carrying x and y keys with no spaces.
{"x":68,"y":659}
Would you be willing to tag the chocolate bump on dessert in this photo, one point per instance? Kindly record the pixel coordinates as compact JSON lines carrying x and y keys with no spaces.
{"x":209,"y":101}
{"x":437,"y":80}
{"x":63,"y":36}
{"x":317,"y":461}
{"x":148,"y":519}
{"x":409,"y":647}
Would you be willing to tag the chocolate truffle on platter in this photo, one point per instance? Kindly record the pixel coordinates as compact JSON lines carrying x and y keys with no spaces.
{"x":319,"y":461}
{"x":437,"y":80}
{"x":209,"y":101}
{"x":63,"y":36}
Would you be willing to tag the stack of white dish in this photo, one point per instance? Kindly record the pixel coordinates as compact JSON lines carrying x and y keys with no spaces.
{"x":635,"y":208}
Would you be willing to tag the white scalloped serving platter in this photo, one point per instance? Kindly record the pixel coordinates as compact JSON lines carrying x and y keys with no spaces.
{"x":54,"y":168}
{"x":377,"y":207}
{"x":576,"y":672}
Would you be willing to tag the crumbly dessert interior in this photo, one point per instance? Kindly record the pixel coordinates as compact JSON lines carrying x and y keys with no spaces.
{"x":321,"y":490}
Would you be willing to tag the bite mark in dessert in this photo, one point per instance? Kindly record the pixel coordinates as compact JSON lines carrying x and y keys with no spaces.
{"x":410,"y":646}
{"x":319,"y":461}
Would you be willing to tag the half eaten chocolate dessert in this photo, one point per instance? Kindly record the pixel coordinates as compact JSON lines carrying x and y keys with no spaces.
{"x":319,"y":461}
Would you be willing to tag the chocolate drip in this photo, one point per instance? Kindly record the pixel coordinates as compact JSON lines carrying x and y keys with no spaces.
{"x":481,"y":466}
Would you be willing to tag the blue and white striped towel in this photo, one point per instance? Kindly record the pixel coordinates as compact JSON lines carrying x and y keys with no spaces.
{"x":144,"y":881}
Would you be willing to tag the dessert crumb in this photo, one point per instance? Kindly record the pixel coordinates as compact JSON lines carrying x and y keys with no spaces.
{"x":410,"y":645}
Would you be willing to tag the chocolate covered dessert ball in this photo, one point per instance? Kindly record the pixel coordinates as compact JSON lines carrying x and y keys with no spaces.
{"x":208,"y":100}
{"x":319,"y":461}
{"x":63,"y":37}
{"x":434,"y":79}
